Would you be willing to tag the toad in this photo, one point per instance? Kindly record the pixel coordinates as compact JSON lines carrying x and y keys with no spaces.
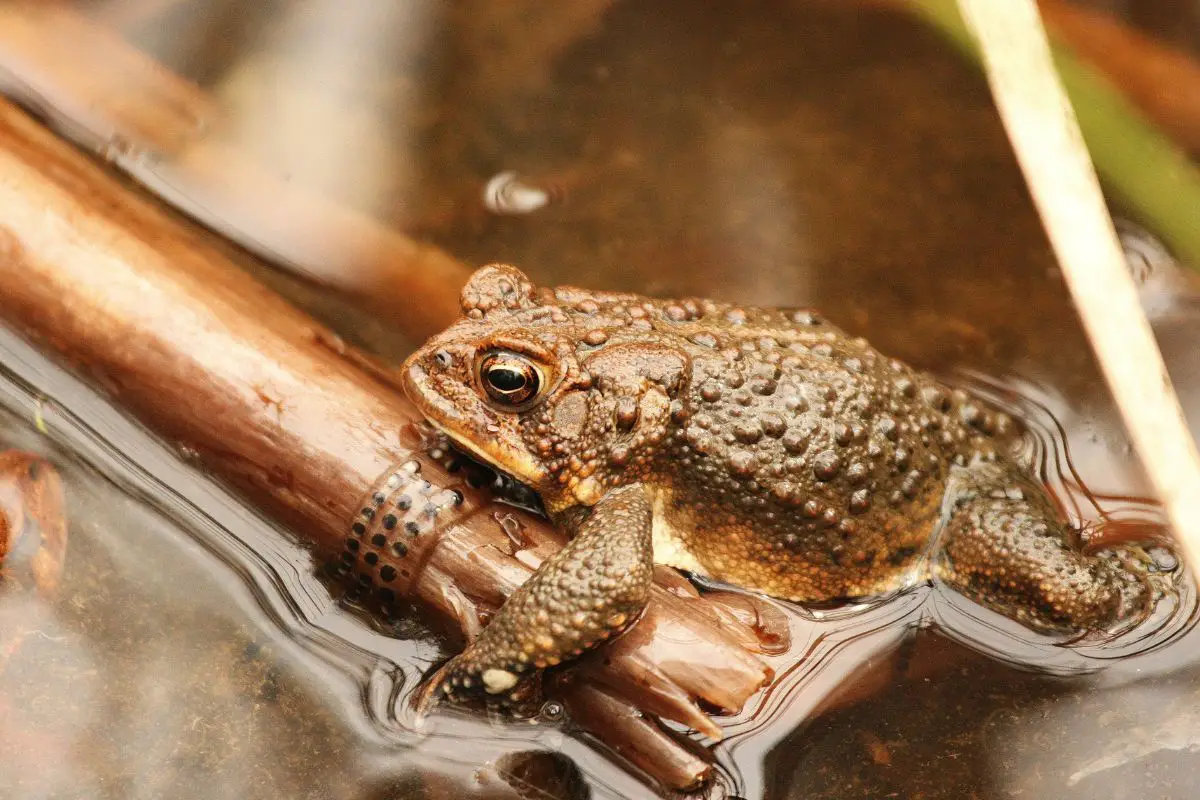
{"x":756,"y":446}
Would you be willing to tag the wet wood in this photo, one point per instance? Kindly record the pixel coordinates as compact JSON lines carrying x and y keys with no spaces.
{"x":167,"y":133}
{"x":53,"y":55}
{"x":638,"y":738}
{"x":33,"y":524}
{"x":158,"y":314}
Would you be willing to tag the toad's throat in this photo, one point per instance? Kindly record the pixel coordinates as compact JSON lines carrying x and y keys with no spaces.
{"x":669,"y":545}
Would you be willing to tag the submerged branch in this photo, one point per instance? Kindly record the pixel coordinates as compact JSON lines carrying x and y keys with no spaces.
{"x":166,"y":133}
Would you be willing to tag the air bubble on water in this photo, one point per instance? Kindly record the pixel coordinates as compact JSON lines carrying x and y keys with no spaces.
{"x":1164,"y":560}
{"x":507,"y":194}
{"x":552,"y":711}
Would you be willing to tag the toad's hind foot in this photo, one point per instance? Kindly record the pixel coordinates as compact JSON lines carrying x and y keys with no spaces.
{"x":585,"y":593}
{"x":1006,"y":547}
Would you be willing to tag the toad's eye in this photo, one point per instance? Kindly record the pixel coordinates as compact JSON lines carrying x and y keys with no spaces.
{"x":510,"y":379}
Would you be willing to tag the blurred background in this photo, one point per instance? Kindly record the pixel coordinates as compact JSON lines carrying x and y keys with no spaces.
{"x":837,"y":154}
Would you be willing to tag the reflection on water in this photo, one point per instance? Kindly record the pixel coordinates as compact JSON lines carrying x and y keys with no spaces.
{"x":802,"y":154}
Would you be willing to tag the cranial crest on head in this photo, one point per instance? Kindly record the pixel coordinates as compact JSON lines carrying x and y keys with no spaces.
{"x":496,"y":288}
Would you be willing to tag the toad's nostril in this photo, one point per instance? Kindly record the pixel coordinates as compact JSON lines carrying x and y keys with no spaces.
{"x":443,"y":358}
{"x":413,"y":376}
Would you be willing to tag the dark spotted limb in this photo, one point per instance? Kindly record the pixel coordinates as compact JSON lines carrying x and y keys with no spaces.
{"x":1006,"y":547}
{"x":585,"y":593}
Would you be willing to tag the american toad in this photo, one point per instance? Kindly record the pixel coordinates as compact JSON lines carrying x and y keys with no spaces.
{"x":761,"y":447}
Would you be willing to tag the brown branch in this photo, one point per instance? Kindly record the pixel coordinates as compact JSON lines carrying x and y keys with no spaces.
{"x":117,"y":101}
{"x":156,"y":313}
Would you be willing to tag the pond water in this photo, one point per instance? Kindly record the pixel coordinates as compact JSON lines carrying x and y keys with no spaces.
{"x":824,"y":153}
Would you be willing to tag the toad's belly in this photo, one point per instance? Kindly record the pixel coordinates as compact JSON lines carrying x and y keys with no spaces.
{"x":741,"y":555}
{"x":670,"y":547}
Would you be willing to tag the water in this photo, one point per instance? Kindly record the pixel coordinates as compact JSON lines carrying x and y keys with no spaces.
{"x":803,"y":154}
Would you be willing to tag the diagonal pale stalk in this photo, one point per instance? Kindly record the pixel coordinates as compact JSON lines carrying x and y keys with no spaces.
{"x":1049,"y":146}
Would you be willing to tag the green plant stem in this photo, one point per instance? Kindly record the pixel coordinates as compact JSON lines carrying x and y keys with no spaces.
{"x":1140,"y":166}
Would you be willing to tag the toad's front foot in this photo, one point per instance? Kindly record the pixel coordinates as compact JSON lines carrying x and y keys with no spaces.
{"x":592,"y":589}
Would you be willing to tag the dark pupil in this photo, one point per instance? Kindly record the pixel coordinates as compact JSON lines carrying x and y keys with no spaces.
{"x":507,"y":379}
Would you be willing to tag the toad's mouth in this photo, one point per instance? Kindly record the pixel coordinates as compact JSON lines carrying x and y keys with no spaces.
{"x":526,"y":465}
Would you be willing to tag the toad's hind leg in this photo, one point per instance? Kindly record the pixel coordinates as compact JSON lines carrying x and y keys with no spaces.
{"x":590,"y":590}
{"x":1006,"y":547}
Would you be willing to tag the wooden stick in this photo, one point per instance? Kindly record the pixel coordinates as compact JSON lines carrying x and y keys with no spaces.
{"x":166,"y":133}
{"x":33,"y":524}
{"x":156,"y":312}
{"x":1041,"y":125}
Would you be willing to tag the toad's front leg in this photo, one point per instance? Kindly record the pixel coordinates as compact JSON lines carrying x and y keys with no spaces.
{"x":585,"y":593}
